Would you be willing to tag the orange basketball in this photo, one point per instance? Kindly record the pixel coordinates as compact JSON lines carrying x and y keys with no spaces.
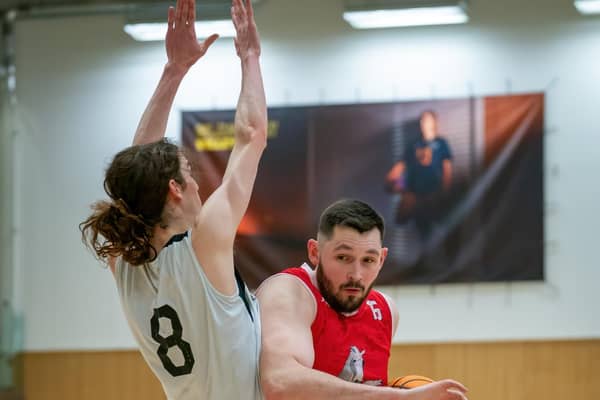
{"x":410,"y":381}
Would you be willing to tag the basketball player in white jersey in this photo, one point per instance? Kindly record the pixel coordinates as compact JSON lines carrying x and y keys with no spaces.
{"x":196,"y":323}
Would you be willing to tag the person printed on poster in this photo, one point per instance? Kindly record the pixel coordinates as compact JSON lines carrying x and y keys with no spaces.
{"x":423,"y":176}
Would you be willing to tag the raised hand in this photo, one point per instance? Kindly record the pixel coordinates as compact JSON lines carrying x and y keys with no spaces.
{"x":247,"y":41}
{"x":183,"y":48}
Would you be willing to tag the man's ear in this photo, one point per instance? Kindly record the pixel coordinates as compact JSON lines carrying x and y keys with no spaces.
{"x":384,"y":253}
{"x":175,"y":190}
{"x":313,"y":252}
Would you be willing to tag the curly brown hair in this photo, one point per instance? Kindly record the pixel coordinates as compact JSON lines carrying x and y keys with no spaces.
{"x":137,"y":182}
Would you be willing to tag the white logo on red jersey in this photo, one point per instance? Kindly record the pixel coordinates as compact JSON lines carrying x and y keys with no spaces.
{"x":377,"y":316}
{"x":353,"y":370}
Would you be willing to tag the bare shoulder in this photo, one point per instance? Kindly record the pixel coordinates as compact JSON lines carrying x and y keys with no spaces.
{"x":284,"y":291}
{"x":287,"y":312}
{"x":209,"y":227}
{"x":283,"y":284}
{"x":212,"y":244}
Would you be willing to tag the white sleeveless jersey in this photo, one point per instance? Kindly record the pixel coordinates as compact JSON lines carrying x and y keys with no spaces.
{"x":201,"y":344}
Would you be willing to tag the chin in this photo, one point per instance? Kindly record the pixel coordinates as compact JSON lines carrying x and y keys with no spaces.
{"x":353,"y":302}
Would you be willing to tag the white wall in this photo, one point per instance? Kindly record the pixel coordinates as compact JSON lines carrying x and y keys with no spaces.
{"x":82,"y":85}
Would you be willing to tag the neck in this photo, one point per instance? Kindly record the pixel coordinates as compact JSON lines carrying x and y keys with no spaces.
{"x":161,"y":236}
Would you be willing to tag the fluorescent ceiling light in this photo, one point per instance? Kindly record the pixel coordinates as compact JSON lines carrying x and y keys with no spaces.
{"x":406,"y":17}
{"x":588,"y":6}
{"x":156,"y":31}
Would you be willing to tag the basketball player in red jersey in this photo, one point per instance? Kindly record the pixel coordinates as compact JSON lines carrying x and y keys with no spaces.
{"x":324,"y":329}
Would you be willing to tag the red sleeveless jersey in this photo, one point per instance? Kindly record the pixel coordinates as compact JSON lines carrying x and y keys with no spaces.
{"x":355,"y":348}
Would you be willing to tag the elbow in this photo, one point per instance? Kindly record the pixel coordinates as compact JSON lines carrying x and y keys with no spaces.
{"x":256,"y":136}
{"x":273,"y":388}
{"x":260,"y":137}
{"x":271,"y":392}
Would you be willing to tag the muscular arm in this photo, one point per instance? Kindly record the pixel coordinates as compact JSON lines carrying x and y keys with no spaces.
{"x":287,"y":312}
{"x":183,"y":50}
{"x":216,"y":226}
{"x":287,"y":356}
{"x":153,"y":124}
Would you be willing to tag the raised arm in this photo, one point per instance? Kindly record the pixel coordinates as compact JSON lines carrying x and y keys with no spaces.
{"x":287,"y":355}
{"x":218,"y":221}
{"x":183,"y":50}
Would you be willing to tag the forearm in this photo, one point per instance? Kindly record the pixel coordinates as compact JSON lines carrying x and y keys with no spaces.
{"x":251,"y":114}
{"x":250,"y":127}
{"x":153,"y":123}
{"x":250,"y":141}
{"x":305,"y":383}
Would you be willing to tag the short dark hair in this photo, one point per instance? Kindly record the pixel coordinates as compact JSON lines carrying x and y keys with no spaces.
{"x":353,"y":214}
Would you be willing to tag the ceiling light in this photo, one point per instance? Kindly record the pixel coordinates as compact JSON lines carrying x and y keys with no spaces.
{"x":588,"y":6}
{"x":155,"y":31}
{"x":148,"y":22}
{"x":396,"y":13}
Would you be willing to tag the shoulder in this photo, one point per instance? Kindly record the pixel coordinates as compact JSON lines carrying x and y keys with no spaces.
{"x":442,"y":142}
{"x":393,"y":310}
{"x":296,"y":279}
{"x":380,"y":298}
{"x":287,"y":291}
{"x":287,"y":282}
{"x":387,"y":300}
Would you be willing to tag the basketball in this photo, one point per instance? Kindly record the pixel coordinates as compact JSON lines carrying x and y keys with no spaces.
{"x":410,"y":381}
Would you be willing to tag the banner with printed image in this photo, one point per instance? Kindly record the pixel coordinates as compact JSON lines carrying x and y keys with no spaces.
{"x":458,"y":181}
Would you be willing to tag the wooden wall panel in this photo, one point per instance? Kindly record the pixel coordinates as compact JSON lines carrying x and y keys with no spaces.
{"x":561,"y":370}
{"x":88,"y":376}
{"x":508,"y":370}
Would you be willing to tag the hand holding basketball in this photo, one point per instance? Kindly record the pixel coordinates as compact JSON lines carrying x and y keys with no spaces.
{"x":422,"y":388}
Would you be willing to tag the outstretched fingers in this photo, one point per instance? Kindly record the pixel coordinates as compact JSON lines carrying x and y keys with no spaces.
{"x":209,"y":41}
{"x":171,"y":17}
{"x":192,"y":12}
{"x":178,"y":11}
{"x":237,"y":13}
{"x":455,"y":394}
{"x":454,"y":385}
{"x":249,"y":10}
{"x":240,"y":6}
{"x":185,"y":12}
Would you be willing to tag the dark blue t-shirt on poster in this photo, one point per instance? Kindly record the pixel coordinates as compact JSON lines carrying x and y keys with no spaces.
{"x":425,"y":170}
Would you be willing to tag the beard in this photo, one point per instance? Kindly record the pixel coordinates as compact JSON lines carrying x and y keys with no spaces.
{"x":335,"y":298}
